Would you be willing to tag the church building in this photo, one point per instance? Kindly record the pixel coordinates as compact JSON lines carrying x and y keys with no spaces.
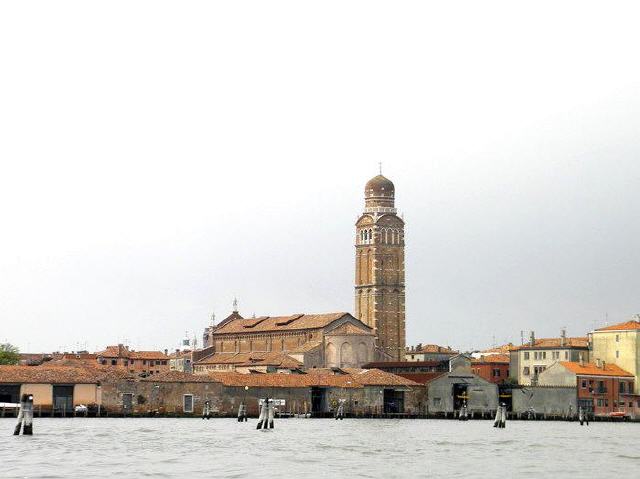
{"x":375,"y":333}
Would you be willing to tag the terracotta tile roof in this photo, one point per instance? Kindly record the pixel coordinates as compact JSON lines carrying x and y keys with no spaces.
{"x":60,"y":374}
{"x":626,"y":326}
{"x":580,"y":343}
{"x":179,"y":377}
{"x":376,"y":377}
{"x":276,"y":359}
{"x":353,"y":378}
{"x":505,"y":348}
{"x":401,"y":364}
{"x":492,"y":358}
{"x":591,"y":369}
{"x":421,"y":378}
{"x":279,"y":323}
{"x":349,"y":329}
{"x":147,"y":355}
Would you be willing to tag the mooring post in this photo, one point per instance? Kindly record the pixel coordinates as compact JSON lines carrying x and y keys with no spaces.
{"x":340,"y":410}
{"x":25,"y":416}
{"x":206,"y":410}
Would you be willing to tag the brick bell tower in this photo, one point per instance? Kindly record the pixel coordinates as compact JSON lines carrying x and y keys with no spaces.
{"x":380,"y":268}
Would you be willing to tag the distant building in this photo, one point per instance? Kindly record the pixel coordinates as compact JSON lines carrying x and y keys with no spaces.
{"x":602,"y":388}
{"x":429,"y":352}
{"x":493,"y":368}
{"x":418,"y":371}
{"x":619,"y":344}
{"x":274,"y":362}
{"x":181,"y":361}
{"x":529,"y":360}
{"x":504,"y":349}
{"x":139,"y":362}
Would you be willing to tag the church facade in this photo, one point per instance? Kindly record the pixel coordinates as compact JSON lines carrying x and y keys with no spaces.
{"x":379,"y":278}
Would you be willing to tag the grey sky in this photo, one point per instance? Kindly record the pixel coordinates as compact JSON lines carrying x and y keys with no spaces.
{"x":159,"y":158}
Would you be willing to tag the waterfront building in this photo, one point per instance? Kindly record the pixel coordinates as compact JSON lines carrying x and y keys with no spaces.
{"x":530,"y":359}
{"x":493,"y":367}
{"x":314,"y":340}
{"x":139,"y":362}
{"x":449,"y":391}
{"x":602,"y":388}
{"x":379,"y":268}
{"x":56,"y":388}
{"x":429,"y":352}
{"x":113,"y":390}
{"x":619,"y":344}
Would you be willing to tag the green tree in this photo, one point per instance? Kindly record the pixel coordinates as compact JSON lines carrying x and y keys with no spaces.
{"x":9,"y":354}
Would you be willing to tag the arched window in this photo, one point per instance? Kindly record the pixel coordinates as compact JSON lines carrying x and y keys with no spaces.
{"x":386,"y":235}
{"x":370,"y":235}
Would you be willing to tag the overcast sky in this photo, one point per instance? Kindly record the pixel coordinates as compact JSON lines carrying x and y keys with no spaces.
{"x":159,"y":158}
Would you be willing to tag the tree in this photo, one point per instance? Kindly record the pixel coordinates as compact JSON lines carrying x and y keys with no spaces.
{"x":9,"y":354}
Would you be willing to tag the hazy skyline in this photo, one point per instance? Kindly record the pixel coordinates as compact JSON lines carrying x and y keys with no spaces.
{"x":151,"y":175}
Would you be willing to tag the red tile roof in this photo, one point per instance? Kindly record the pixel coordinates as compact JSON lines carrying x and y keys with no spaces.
{"x":60,"y":374}
{"x":626,"y":326}
{"x":350,"y":378}
{"x":279,"y":323}
{"x":492,"y":358}
{"x":591,"y":369}
{"x":557,"y":343}
{"x":505,"y":348}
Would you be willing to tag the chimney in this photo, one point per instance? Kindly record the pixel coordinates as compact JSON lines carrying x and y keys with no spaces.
{"x":120,"y":350}
{"x":166,"y":352}
{"x":598,"y":363}
{"x":532,"y":338}
{"x":581,"y":360}
{"x":604,"y":365}
{"x":563,"y":336}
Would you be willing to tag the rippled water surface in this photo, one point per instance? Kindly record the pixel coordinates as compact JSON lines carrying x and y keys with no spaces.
{"x":181,"y":448}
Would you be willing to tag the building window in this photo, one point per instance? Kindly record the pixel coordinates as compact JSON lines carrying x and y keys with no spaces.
{"x":114,"y":362}
{"x":544,"y":355}
{"x":566,"y":355}
{"x":583,"y":384}
{"x":525,"y":371}
{"x":526,"y":355}
{"x":617,"y":354}
{"x":555,"y":355}
{"x":496,"y":373}
{"x":436,"y":401}
{"x":621,"y":387}
{"x":187,"y":403}
{"x":617,"y":338}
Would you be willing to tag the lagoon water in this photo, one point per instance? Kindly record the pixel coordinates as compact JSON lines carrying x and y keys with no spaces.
{"x":311,"y":448}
